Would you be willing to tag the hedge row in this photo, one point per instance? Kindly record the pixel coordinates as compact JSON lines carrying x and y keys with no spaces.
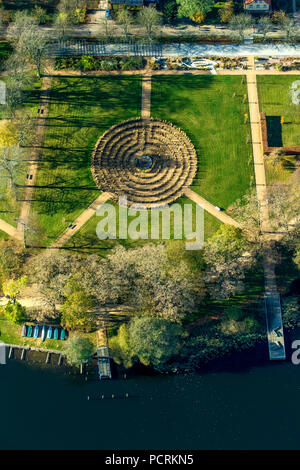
{"x":89,"y":63}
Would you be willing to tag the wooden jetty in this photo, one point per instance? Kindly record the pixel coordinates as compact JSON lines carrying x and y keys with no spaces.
{"x":24,"y":349}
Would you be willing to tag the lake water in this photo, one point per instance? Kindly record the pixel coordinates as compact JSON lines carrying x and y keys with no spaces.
{"x":244,"y":403}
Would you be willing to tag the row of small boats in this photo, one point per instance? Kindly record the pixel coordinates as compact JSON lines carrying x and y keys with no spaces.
{"x":44,"y":331}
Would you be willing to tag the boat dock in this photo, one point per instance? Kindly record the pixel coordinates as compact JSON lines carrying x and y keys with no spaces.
{"x":103,"y":358}
{"x":103,"y":362}
{"x":25,"y":349}
{"x":274,"y":326}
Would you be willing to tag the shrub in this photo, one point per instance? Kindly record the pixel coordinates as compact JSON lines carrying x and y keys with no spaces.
{"x":132,"y":63}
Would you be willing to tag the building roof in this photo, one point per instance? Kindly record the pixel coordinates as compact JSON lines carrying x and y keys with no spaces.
{"x":247,"y":2}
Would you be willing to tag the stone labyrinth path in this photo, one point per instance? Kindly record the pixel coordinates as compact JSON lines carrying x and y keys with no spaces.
{"x":151,"y":162}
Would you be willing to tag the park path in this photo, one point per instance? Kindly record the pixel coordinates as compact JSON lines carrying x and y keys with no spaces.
{"x":10,"y":230}
{"x":226,"y":219}
{"x":35,"y":155}
{"x":260,"y":179}
{"x":146,"y":95}
{"x":81,"y":220}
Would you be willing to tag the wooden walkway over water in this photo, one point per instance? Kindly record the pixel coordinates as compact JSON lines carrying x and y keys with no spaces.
{"x":274,"y":326}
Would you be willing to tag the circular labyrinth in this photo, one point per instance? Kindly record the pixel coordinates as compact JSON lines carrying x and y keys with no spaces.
{"x":150,"y":162}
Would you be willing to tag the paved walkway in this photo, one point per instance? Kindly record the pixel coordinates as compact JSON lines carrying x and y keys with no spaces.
{"x":35,"y":154}
{"x":258,"y":156}
{"x":226,"y":219}
{"x":146,"y":96}
{"x":81,"y":220}
{"x":10,"y":230}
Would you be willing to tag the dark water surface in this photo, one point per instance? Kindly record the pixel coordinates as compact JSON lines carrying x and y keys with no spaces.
{"x":248,"y":407}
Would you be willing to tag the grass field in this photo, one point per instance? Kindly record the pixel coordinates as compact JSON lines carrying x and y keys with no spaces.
{"x":206,"y":108}
{"x":275,"y":100}
{"x":11,"y":334}
{"x":81,"y":109}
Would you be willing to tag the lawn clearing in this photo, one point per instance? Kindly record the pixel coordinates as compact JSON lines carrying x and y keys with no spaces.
{"x":81,"y":109}
{"x":211,"y":112}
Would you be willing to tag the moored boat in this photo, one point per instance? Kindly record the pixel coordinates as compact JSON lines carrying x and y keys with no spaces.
{"x":56,"y":333}
{"x":36,"y":331}
{"x":29,"y":331}
{"x":43,"y":333}
{"x":49,"y":334}
{"x":24,"y":330}
{"x":62,"y":335}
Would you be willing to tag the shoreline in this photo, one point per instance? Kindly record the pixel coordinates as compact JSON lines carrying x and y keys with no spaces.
{"x":235,"y":362}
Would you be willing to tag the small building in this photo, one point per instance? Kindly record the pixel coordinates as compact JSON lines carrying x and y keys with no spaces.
{"x":257,"y":6}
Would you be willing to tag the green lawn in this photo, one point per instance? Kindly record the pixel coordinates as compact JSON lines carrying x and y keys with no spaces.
{"x":81,"y":109}
{"x":206,"y":108}
{"x":275,"y":100}
{"x":11,"y":334}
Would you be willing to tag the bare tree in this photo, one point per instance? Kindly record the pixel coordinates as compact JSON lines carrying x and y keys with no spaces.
{"x":149,"y":18}
{"x":239,"y":23}
{"x":124,"y":17}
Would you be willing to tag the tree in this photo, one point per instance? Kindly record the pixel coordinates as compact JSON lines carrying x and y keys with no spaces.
{"x":32,"y":229}
{"x":170,"y":11}
{"x":12,"y":258}
{"x":22,"y":22}
{"x":76,"y":311}
{"x":152,"y":340}
{"x":226,"y":13}
{"x":228,"y":256}
{"x":265,"y":25}
{"x":25,"y":123}
{"x":290,"y":27}
{"x":290,"y":312}
{"x":50,"y":271}
{"x":278,"y":17}
{"x":40,"y":14}
{"x":149,"y":18}
{"x":9,"y":135}
{"x":32,"y":46}
{"x":11,"y":163}
{"x":78,"y":350}
{"x":124,"y":17}
{"x":14,"y":312}
{"x":235,"y":321}
{"x":14,"y":94}
{"x":239,"y":23}
{"x":190,"y":8}
{"x":13,"y":287}
{"x":61,"y":25}
{"x":147,"y":280}
{"x":121,"y":347}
